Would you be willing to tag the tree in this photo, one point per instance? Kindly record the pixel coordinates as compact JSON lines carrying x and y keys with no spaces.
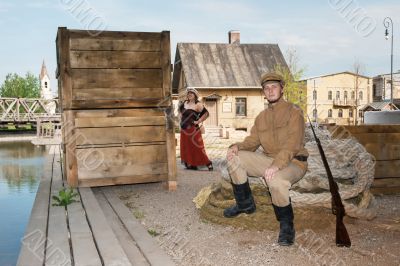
{"x":16,"y":86}
{"x":358,"y":69}
{"x":295,"y":91}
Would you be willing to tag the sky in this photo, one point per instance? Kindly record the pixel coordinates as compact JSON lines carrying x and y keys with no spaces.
{"x":328,"y":36}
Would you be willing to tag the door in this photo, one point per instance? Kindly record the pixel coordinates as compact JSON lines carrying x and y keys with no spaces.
{"x":211,"y":106}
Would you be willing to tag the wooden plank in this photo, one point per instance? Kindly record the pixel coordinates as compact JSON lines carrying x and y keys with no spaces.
{"x":117,"y":103}
{"x":386,"y":182}
{"x":381,"y":138}
{"x":58,"y":248}
{"x":385,"y":191}
{"x":120,"y":121}
{"x":373,"y":129}
{"x":384,"y":151}
{"x":152,"y":251}
{"x":70,"y":146}
{"x":95,"y":182}
{"x":83,"y":245}
{"x":109,"y":44}
{"x":63,"y":63}
{"x":116,"y":78}
{"x":33,"y":242}
{"x":119,"y":94}
{"x":107,"y":171}
{"x":387,"y":169}
{"x":130,"y":247}
{"x":119,"y":112}
{"x":128,"y":155}
{"x":113,"y":40}
{"x":87,"y":136}
{"x":114,"y":59}
{"x":111,"y":251}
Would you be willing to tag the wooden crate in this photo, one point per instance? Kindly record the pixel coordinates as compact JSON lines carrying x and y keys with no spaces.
{"x":116,"y":102}
{"x":113,"y":69}
{"x":383,"y":142}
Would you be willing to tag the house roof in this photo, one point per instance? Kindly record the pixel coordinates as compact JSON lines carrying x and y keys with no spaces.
{"x":217,"y":65}
{"x":377,"y":106}
{"x":338,"y":73}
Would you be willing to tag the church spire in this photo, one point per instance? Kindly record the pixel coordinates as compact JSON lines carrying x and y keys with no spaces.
{"x":43,"y":72}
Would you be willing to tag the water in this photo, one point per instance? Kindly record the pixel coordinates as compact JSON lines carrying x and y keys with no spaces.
{"x":21,"y":166}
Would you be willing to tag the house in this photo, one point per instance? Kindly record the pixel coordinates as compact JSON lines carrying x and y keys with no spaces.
{"x":227,"y":76}
{"x":338,"y":98}
{"x":381,"y":87}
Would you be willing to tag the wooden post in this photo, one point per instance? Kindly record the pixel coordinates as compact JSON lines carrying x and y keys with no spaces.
{"x":38,"y":123}
{"x":65,"y":67}
{"x":171,"y":150}
{"x":70,"y":139}
{"x":166,"y":67}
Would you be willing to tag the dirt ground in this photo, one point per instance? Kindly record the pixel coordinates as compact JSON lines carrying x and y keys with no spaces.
{"x":172,"y":218}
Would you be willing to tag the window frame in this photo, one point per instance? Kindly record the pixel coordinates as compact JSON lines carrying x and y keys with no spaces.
{"x":236,"y":106}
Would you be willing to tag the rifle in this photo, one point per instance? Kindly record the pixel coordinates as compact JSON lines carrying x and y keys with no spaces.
{"x":342,"y":237}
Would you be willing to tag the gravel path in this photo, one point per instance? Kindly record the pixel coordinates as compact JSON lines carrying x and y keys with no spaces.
{"x":171,"y":217}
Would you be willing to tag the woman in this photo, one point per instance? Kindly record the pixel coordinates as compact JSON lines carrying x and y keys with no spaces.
{"x":192,"y":114}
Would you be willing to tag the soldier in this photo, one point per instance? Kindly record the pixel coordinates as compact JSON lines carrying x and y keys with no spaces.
{"x":279,"y":129}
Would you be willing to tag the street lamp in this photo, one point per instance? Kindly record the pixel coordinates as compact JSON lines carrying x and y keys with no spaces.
{"x":388,"y":23}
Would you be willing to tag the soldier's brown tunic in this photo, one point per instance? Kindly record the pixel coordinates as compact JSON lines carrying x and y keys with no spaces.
{"x":279,"y":129}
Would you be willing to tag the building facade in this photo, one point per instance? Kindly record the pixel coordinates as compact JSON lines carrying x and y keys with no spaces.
{"x":338,"y":98}
{"x":381,"y":87}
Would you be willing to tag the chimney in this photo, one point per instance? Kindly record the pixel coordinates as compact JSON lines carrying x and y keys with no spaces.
{"x":234,"y":37}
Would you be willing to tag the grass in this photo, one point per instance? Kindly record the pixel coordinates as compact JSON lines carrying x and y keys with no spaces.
{"x":153,"y":232}
{"x":138,"y":214}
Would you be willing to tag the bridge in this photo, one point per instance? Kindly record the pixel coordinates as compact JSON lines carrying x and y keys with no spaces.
{"x":27,"y":110}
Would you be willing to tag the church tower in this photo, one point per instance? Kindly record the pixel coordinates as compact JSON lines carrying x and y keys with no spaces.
{"x":45,"y":89}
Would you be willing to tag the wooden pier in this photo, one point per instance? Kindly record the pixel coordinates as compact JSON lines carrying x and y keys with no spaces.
{"x":97,"y":230}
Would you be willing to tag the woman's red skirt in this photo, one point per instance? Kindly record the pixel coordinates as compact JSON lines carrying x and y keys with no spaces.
{"x":192,"y":147}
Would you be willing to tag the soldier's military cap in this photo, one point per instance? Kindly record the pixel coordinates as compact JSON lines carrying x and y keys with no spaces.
{"x":272,"y":76}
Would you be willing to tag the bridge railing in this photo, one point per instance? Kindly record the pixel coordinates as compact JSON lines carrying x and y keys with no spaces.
{"x":20,"y":110}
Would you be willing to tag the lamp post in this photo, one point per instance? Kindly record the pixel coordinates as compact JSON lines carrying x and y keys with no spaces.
{"x":388,"y":23}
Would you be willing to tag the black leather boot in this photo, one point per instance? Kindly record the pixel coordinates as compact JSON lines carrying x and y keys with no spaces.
{"x":244,"y":201}
{"x":285,"y":217}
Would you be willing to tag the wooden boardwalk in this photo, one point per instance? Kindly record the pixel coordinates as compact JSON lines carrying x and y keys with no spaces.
{"x":97,"y":230}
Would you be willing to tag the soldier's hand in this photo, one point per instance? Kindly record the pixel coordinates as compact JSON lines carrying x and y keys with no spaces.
{"x":232,"y":151}
{"x":270,"y":173}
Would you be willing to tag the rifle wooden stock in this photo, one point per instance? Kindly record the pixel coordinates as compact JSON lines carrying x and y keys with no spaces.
{"x":342,"y":237}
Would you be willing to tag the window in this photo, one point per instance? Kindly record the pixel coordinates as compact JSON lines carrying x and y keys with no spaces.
{"x":351,"y":113}
{"x":340,"y":113}
{"x":374,"y":90}
{"x":345,"y":95}
{"x":241,"y":107}
{"x":360,"y":113}
{"x":337,"y":95}
{"x":330,"y":113}
{"x":315,"y":114}
{"x":360,"y":95}
{"x":45,"y":84}
{"x":314,"y":95}
{"x":353,"y":95}
{"x":329,"y":95}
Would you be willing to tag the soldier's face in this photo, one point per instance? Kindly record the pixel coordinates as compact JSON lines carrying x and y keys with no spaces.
{"x":272,"y":90}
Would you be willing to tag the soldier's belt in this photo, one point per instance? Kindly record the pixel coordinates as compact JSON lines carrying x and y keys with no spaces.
{"x":301,"y":158}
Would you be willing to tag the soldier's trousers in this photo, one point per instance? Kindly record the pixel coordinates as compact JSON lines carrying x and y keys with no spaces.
{"x":254,"y":164}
